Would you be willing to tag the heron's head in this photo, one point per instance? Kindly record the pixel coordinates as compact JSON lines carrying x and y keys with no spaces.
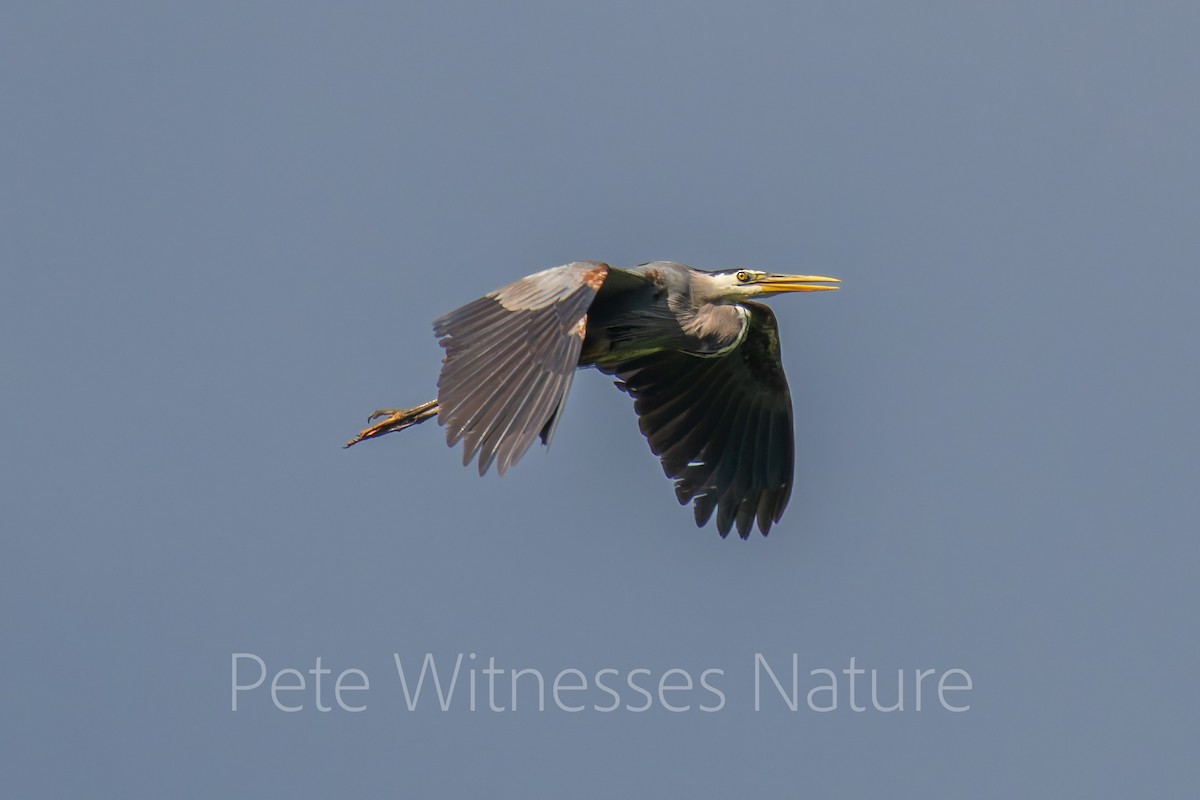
{"x":744,"y":284}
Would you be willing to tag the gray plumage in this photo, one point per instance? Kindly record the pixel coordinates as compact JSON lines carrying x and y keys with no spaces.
{"x":700,"y":360}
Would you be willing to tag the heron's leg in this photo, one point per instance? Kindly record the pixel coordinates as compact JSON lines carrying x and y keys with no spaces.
{"x":395,"y":419}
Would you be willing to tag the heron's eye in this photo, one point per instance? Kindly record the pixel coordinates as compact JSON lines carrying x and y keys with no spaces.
{"x":743,"y":276}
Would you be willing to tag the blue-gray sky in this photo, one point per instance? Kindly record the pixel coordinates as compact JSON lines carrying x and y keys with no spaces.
{"x":227,"y":226}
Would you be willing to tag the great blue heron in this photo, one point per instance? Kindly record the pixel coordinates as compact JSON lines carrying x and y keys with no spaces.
{"x":699,"y":358}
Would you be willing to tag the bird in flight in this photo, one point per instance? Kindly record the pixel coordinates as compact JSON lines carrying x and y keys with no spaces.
{"x":699,"y":357}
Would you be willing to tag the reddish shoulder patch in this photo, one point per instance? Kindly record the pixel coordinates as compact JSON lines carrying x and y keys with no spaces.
{"x":595,"y":276}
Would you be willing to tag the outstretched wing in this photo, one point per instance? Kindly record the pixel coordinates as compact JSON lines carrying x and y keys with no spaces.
{"x":510,"y":358}
{"x":722,"y":425}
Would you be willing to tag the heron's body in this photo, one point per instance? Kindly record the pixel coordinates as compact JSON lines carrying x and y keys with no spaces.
{"x":700,"y":359}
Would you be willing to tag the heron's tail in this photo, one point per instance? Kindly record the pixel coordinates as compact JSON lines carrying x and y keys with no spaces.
{"x":395,"y":419}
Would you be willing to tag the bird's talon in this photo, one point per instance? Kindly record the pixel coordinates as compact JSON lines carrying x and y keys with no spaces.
{"x":397,"y":419}
{"x":381,"y":412}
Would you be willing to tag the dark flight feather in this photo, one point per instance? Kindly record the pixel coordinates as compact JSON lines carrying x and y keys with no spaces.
{"x":722,"y":425}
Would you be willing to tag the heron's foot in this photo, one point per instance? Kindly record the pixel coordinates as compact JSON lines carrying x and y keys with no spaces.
{"x":395,"y":419}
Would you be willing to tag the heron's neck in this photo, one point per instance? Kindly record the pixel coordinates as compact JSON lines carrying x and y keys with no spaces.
{"x":715,"y":328}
